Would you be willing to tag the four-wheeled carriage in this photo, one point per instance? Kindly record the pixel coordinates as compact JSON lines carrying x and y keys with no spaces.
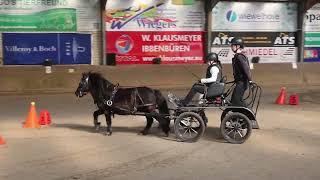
{"x":190,"y":121}
{"x":236,"y":122}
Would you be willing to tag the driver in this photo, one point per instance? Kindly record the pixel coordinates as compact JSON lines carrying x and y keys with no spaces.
{"x":213,"y":74}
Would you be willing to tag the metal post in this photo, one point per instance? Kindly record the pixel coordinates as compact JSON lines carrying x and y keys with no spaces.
{"x":207,"y":27}
{"x":300,"y":30}
{"x":103,"y":31}
{"x":209,"y":5}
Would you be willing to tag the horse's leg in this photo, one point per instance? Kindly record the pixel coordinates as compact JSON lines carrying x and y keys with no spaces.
{"x":109,"y":122}
{"x":95,"y":119}
{"x":164,"y":124}
{"x":145,"y":131}
{"x":163,"y":110}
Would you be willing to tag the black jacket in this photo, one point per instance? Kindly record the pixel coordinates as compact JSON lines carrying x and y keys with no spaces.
{"x":241,"y":69}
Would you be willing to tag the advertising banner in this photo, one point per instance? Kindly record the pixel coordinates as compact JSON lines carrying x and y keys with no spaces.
{"x":142,"y":47}
{"x":312,"y":19}
{"x":34,"y":48}
{"x":254,"y":16}
{"x":155,"y":15}
{"x":256,"y":39}
{"x":260,"y":54}
{"x":312,"y":54}
{"x":74,"y":48}
{"x":49,"y":15}
{"x":139,"y":31}
{"x":312,"y":47}
{"x":312,"y":39}
{"x":260,"y":47}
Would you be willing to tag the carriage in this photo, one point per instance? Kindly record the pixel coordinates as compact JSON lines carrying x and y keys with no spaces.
{"x":236,"y":122}
{"x":189,"y":122}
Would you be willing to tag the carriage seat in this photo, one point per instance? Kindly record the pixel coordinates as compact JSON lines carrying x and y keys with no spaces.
{"x":215,"y":90}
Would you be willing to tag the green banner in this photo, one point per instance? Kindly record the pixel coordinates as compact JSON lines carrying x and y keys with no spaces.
{"x":312,"y":39}
{"x":60,"y":19}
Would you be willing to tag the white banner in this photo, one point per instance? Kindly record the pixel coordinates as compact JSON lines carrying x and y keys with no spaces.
{"x":264,"y":54}
{"x":254,"y":16}
{"x":312,"y":19}
{"x":155,"y":15}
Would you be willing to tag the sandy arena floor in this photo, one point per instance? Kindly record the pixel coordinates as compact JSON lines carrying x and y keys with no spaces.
{"x":286,"y":147}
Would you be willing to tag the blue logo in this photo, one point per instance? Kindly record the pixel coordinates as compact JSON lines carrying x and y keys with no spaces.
{"x":124,"y":44}
{"x":73,"y":48}
{"x":231,"y":16}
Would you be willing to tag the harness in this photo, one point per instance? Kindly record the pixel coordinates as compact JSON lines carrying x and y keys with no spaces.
{"x":109,"y":102}
{"x":135,"y":94}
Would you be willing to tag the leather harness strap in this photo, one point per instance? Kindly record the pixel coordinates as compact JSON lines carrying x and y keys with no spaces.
{"x":136,"y":94}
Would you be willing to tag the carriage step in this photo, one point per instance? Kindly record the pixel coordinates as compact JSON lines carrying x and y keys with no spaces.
{"x":255,"y":124}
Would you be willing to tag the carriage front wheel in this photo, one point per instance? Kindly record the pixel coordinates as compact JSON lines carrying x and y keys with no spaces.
{"x":236,"y":128}
{"x":189,"y":127}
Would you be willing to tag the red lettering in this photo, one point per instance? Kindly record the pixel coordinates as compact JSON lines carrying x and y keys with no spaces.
{"x":274,"y":52}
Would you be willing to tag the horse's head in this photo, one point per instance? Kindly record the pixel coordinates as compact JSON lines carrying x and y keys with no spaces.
{"x":84,"y":85}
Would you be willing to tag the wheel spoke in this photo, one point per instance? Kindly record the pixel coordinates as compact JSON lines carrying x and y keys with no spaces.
{"x":237,"y":120}
{"x":181,"y":127}
{"x":189,"y":132}
{"x":242,"y":124}
{"x":241,"y":135}
{"x":194,"y":131}
{"x":185,"y":132}
{"x":230,"y":131}
{"x":234,"y":135}
{"x":184,"y":123}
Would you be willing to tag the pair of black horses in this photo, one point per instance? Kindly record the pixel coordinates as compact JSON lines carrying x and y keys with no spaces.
{"x":110,"y":100}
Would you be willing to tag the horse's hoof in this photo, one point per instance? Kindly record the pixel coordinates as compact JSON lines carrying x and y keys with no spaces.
{"x":108,"y":133}
{"x":143,"y":132}
{"x":167,"y":134}
{"x":97,"y":128}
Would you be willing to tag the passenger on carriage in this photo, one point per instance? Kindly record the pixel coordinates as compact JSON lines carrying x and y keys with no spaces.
{"x":241,"y":72}
{"x":213,"y":77}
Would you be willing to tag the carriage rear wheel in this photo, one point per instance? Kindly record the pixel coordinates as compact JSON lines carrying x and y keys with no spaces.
{"x":236,"y":128}
{"x":189,"y":127}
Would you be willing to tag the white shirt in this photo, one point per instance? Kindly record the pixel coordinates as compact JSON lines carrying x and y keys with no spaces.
{"x":214,"y":75}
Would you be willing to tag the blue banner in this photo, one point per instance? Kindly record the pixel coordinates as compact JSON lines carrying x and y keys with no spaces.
{"x":35,"y":48}
{"x":29,"y":48}
{"x":75,"y":48}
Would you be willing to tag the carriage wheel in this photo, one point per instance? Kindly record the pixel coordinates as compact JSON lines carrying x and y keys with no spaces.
{"x":236,"y":128}
{"x":189,"y":127}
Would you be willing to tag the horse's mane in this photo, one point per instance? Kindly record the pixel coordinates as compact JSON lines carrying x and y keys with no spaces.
{"x":100,"y":86}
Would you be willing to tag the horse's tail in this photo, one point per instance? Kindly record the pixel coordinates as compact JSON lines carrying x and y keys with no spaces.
{"x":162,"y":103}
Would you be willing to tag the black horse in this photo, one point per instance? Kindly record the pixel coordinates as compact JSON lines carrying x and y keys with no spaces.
{"x":110,"y":100}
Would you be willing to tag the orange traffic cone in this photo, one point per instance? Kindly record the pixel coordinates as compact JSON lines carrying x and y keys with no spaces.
{"x":2,"y":141}
{"x":282,"y":97}
{"x":32,"y":121}
{"x":294,"y":99}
